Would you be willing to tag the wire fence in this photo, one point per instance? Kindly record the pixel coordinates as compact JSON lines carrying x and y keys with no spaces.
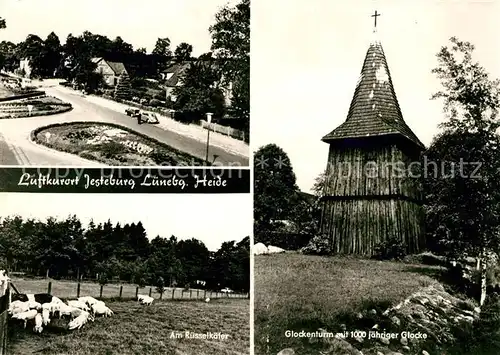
{"x":68,"y":289}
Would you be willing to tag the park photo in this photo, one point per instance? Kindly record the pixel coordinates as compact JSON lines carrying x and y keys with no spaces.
{"x":377,"y":205}
{"x":110,"y":83}
{"x":121,"y":274}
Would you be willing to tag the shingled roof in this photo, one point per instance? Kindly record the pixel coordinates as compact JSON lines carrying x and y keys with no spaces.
{"x":374,"y":109}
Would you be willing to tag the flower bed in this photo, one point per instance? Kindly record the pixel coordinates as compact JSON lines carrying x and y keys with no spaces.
{"x":41,"y":106}
{"x":111,"y":144}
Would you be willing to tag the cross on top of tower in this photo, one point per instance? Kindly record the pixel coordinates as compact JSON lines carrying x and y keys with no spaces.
{"x":375,"y":15}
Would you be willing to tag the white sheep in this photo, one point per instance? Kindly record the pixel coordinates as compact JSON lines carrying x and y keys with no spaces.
{"x":101,"y":309}
{"x":146,"y":300}
{"x":18,"y":307}
{"x":79,"y":321}
{"x":38,"y":323}
{"x":34,"y":305}
{"x":79,"y":304}
{"x":65,"y":310}
{"x":25,"y":316}
{"x":88,"y":300}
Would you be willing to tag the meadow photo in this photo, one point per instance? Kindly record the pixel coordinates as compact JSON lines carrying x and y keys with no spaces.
{"x":118,"y":274}
{"x":355,"y":252}
{"x":113,"y":83}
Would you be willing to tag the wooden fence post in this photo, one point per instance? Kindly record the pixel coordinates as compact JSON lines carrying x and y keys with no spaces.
{"x":121,"y":291}
{"x":150,"y":290}
{"x":100,"y":292}
{"x":161,"y":295}
{"x":190,"y":293}
{"x":173,"y":293}
{"x":49,"y":288}
{"x":78,"y":290}
{"x":136,"y":291}
{"x":205,"y":295}
{"x":197,"y":294}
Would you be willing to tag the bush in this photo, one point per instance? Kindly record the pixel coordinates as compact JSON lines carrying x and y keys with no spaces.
{"x":154,"y":102}
{"x":318,"y":245}
{"x":110,"y":150}
{"x":391,"y":249}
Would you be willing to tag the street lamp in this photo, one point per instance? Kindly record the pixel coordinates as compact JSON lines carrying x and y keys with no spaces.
{"x":209,"y":120}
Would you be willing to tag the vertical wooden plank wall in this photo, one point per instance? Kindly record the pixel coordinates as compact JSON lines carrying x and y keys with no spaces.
{"x":369,"y":198}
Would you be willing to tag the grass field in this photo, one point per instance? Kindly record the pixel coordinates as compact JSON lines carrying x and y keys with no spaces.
{"x":111,"y":145}
{"x":68,"y":289}
{"x":136,"y":329}
{"x":299,"y":292}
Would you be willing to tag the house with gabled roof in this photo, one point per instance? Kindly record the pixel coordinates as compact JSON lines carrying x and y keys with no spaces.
{"x":372,"y":190}
{"x":172,"y":77}
{"x":110,"y":71}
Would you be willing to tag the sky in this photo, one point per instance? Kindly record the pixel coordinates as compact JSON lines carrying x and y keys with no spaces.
{"x":137,"y":22}
{"x":307,"y":57}
{"x":211,"y":218}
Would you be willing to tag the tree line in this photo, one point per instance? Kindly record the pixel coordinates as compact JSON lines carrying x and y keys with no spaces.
{"x":65,"y":249}
{"x":227,"y":65}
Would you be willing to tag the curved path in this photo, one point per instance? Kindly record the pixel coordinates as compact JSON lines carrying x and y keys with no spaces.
{"x":16,"y":148}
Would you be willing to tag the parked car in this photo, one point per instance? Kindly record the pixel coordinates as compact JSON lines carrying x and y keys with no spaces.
{"x":149,"y":117}
{"x":226,"y":290}
{"x":132,"y":112}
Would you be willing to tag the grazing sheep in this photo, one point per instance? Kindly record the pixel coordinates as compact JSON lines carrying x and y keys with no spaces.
{"x":145,"y":300}
{"x":18,"y":307}
{"x":101,"y":309}
{"x":79,"y":321}
{"x":38,"y":323}
{"x":25,"y":316}
{"x":65,"y":310}
{"x":79,"y":304}
{"x":88,"y":300}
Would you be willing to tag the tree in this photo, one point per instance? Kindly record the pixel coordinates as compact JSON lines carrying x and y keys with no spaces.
{"x":274,"y":186}
{"x":231,"y":46}
{"x":162,"y":47}
{"x":51,"y":56}
{"x":160,"y":286}
{"x":197,"y":94}
{"x":141,"y":50}
{"x":120,"y":48}
{"x":3,"y":24}
{"x":183,"y":52}
{"x":33,"y":49}
{"x":123,"y":89}
{"x":463,"y":207}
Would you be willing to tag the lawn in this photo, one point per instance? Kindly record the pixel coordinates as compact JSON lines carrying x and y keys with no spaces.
{"x":136,"y":329}
{"x":112,"y":145}
{"x":299,"y":292}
